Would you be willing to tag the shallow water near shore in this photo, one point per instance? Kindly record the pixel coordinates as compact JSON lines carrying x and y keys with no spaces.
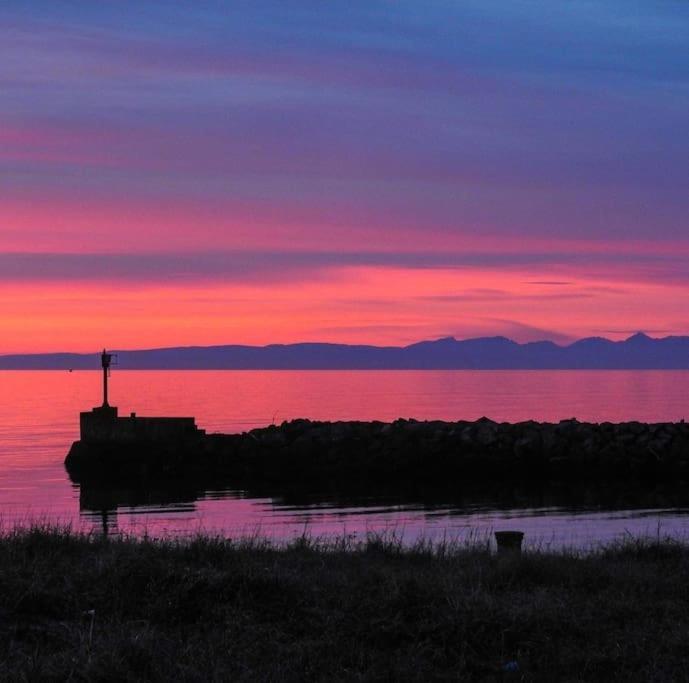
{"x":39,"y":420}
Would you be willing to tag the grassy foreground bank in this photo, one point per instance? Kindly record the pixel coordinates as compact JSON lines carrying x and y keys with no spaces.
{"x":81,"y":608}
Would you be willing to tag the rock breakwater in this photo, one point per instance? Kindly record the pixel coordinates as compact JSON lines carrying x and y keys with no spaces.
{"x":304,"y":450}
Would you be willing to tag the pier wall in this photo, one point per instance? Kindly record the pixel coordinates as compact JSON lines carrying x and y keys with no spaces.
{"x":405,"y":450}
{"x":103,"y":424}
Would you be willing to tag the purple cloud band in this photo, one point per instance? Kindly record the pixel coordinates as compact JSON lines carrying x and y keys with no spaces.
{"x":256,"y":266}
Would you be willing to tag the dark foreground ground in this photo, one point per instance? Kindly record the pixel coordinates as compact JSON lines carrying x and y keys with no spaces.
{"x":77,"y":608}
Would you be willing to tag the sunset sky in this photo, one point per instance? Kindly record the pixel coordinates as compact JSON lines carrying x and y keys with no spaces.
{"x":209,"y":172}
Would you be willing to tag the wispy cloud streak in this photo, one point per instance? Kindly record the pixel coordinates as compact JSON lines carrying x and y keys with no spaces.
{"x":243,"y":266}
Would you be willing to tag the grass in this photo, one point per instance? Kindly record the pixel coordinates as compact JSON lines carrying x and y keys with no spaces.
{"x":75,"y":607}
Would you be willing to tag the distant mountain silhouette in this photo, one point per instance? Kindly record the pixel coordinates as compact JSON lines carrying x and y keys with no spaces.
{"x":638,"y":352}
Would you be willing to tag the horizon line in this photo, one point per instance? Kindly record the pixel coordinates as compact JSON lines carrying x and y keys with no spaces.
{"x":639,"y":334}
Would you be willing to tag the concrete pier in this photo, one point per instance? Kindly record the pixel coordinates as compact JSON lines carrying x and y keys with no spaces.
{"x":104,"y":424}
{"x":404,"y":450}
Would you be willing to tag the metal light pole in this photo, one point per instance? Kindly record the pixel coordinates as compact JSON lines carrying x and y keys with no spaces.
{"x":105,"y":359}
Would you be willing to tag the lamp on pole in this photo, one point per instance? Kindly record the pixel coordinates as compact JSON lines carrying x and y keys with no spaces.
{"x":105,"y":360}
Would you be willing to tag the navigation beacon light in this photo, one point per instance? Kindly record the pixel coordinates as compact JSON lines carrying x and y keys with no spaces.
{"x":105,"y":361}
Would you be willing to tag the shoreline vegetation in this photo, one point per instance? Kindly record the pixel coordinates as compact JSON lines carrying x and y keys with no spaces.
{"x":350,"y":453}
{"x":82,"y":607}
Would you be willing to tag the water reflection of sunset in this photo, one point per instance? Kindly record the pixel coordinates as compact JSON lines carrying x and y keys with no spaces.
{"x":40,"y":412}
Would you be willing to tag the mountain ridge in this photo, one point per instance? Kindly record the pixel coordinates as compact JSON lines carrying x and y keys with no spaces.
{"x":638,"y":351}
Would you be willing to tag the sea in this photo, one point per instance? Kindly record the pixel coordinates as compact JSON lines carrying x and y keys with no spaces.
{"x":39,"y":419}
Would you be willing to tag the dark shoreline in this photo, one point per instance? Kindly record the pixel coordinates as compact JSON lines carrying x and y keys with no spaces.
{"x":353,"y":454}
{"x":638,"y":352}
{"x":86,"y":608}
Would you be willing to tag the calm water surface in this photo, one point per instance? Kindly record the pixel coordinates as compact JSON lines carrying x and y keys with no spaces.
{"x":39,"y":420}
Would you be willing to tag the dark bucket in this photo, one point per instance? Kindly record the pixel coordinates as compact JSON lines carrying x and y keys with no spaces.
{"x":509,"y":542}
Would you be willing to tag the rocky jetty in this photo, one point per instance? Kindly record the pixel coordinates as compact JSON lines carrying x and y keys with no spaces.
{"x":309,"y":451}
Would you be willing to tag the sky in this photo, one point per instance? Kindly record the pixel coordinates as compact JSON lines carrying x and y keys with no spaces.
{"x":211,"y":172}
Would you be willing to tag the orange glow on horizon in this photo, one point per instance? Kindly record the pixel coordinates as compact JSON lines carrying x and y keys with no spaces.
{"x":350,"y":305}
{"x":572,"y":289}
